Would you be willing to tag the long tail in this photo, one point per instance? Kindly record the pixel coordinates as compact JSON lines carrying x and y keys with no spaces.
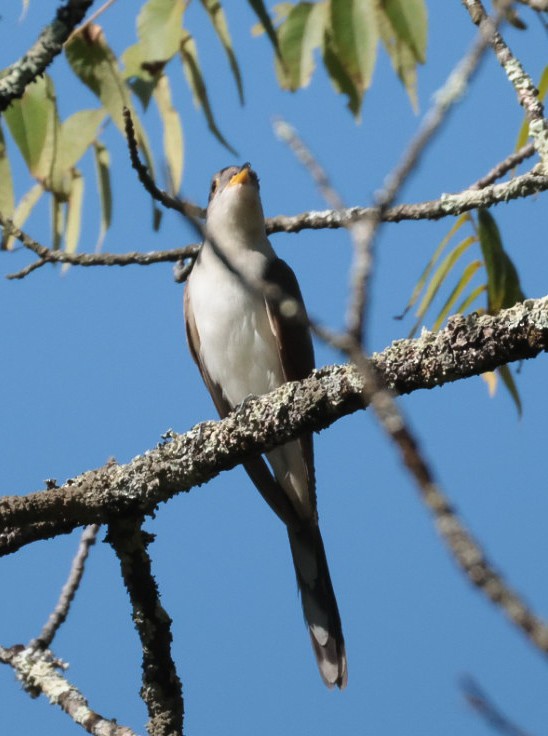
{"x":319,"y":604}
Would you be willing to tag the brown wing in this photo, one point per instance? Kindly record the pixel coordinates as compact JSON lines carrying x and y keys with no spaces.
{"x":294,"y":345}
{"x":256,"y":468}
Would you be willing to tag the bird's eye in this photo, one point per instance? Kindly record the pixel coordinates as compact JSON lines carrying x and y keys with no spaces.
{"x":214,"y":185}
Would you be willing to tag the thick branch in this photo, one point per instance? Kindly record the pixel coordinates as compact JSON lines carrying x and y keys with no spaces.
{"x":467,"y":346}
{"x":50,"y":43}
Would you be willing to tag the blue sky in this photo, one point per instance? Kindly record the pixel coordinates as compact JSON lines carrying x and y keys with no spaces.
{"x":95,"y":366}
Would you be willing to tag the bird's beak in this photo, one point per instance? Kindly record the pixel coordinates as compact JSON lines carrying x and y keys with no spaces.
{"x":242,"y":177}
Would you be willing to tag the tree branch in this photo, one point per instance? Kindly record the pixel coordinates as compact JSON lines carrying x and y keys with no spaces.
{"x":162,"y":688}
{"x":468,"y":346}
{"x":38,"y":672}
{"x":50,"y":43}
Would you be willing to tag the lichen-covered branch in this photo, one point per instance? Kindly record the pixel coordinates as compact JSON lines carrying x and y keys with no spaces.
{"x":40,"y":674}
{"x":50,"y":43}
{"x":161,"y":689}
{"x":468,"y":346}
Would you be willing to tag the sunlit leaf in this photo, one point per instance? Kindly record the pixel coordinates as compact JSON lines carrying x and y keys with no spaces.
{"x":300,"y":34}
{"x":74,"y":215}
{"x":261,"y":12}
{"x":193,"y":73}
{"x":455,"y":294}
{"x":159,"y":29}
{"x":523,"y":134}
{"x":470,"y":299}
{"x":354,"y":36}
{"x":490,"y":378}
{"x":75,"y":136}
{"x":173,"y":132}
{"x":439,"y":276}
{"x":409,"y":20}
{"x":508,"y":379}
{"x":28,"y":120}
{"x":280,"y":11}
{"x":218,"y":20}
{"x":22,"y":212}
{"x":102,"y":167}
{"x":7,"y":200}
{"x":340,"y":80}
{"x":503,"y":286}
{"x":459,"y":222}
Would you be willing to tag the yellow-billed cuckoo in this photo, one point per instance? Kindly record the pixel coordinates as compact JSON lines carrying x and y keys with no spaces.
{"x":243,"y":345}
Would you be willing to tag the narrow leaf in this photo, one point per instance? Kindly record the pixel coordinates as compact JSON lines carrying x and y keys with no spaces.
{"x":261,"y":12}
{"x":490,"y":378}
{"x":218,"y":20}
{"x":57,"y":221}
{"x":102,"y":167}
{"x":159,"y":26}
{"x":193,"y":73}
{"x":22,"y":212}
{"x":173,"y":132}
{"x":300,"y":34}
{"x":470,"y":299}
{"x":508,"y":379}
{"x":402,"y":58}
{"x":439,"y":277}
{"x":340,"y":80}
{"x":523,"y":134}
{"x":503,"y":286}
{"x":7,"y":200}
{"x":74,"y":215}
{"x":461,"y":285}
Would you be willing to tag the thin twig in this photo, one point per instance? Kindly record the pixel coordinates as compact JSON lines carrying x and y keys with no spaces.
{"x":38,"y":672}
{"x":49,"y":43}
{"x":93,"y":17}
{"x":493,"y":716}
{"x":502,"y":168}
{"x":60,"y":613}
{"x":162,"y":688}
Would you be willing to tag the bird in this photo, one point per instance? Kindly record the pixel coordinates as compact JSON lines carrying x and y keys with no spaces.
{"x":244,"y":345}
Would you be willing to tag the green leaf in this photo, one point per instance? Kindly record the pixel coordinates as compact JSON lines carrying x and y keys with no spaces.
{"x":523,"y":134}
{"x":7,"y":200}
{"x":75,"y":136}
{"x":173,"y":132}
{"x":218,"y":20}
{"x":508,"y":379}
{"x":340,"y":80}
{"x":102,"y":167}
{"x":300,"y":34}
{"x":261,"y":12}
{"x":503,"y":286}
{"x":74,"y":214}
{"x":470,"y":299}
{"x":409,"y":20}
{"x":159,"y":27}
{"x":57,"y":221}
{"x":280,"y":11}
{"x":460,"y":286}
{"x":432,"y":262}
{"x":28,"y":120}
{"x":193,"y":73}
{"x":439,"y":277}
{"x":22,"y":212}
{"x":354,"y":35}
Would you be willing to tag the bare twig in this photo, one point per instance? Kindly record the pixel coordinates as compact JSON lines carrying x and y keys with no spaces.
{"x":38,"y":672}
{"x":59,"y":615}
{"x":50,"y":43}
{"x":502,"y":168}
{"x":527,"y":93}
{"x":482,"y":704}
{"x":162,"y":688}
{"x":93,"y":17}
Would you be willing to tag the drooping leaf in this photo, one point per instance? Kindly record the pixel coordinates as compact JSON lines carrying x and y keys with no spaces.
{"x":22,"y":212}
{"x":28,"y":120}
{"x":261,"y":12}
{"x":340,"y":80}
{"x":194,"y":76}
{"x":455,"y":294}
{"x":299,"y":35}
{"x":503,"y":286}
{"x":173,"y":132}
{"x":470,"y":299}
{"x":218,"y":20}
{"x":159,"y":29}
{"x":439,"y":276}
{"x":280,"y":11}
{"x":354,"y":34}
{"x":409,"y":19}
{"x":432,"y":262}
{"x":76,"y":134}
{"x":74,"y":214}
{"x":102,"y":167}
{"x":542,"y":90}
{"x":490,"y":378}
{"x":7,"y":199}
{"x":508,"y":379}
{"x":57,"y":221}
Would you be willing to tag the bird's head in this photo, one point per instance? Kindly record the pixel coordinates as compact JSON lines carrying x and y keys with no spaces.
{"x":234,"y":202}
